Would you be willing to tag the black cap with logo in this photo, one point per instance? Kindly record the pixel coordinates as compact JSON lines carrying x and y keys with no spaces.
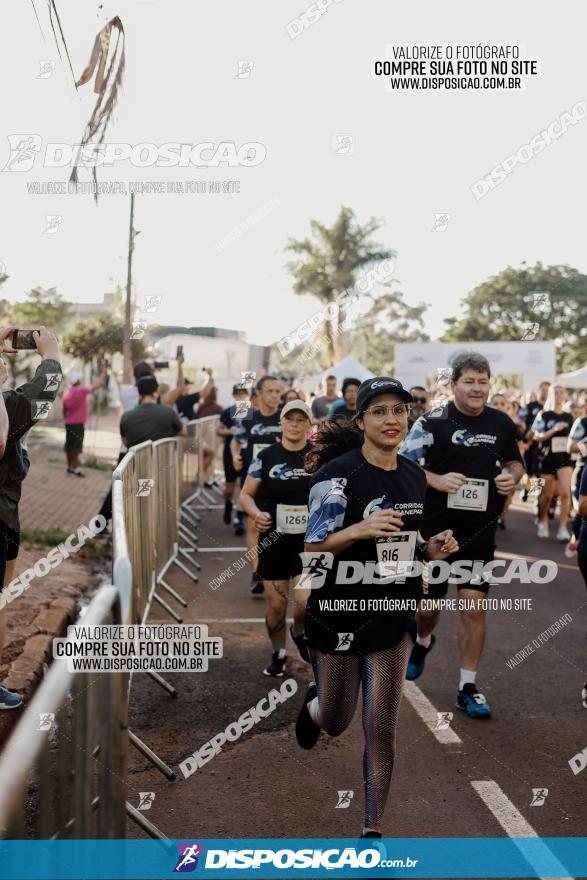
{"x":371,"y":388}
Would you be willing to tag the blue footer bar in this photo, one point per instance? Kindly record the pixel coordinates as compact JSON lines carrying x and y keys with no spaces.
{"x":305,"y":858}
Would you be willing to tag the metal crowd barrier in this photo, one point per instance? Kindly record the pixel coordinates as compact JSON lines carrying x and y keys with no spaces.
{"x":63,"y":770}
{"x":66,"y":759}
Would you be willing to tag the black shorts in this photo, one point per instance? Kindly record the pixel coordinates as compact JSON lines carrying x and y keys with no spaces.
{"x":230,"y":475}
{"x":9,"y":544}
{"x":74,"y":439}
{"x":532,"y":460}
{"x":554,"y":461}
{"x":281,"y":559}
{"x":438,"y":573}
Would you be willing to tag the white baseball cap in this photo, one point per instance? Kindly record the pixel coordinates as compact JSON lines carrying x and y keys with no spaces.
{"x":300,"y":405}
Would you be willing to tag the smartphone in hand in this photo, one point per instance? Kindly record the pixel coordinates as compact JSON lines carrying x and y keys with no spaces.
{"x":23,"y":340}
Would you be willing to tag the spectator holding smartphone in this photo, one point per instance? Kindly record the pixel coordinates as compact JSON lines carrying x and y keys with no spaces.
{"x":19,"y":411}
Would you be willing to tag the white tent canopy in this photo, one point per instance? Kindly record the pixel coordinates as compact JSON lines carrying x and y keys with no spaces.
{"x":346,"y":368}
{"x":576,"y":379}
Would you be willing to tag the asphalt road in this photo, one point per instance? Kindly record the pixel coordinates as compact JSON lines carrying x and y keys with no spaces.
{"x":474,"y":780}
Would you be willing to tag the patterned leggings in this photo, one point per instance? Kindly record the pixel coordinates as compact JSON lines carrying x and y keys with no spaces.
{"x":338,"y":679}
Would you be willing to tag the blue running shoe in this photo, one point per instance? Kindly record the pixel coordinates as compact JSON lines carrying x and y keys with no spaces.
{"x":418,"y":659}
{"x":9,"y":699}
{"x":472,"y":702}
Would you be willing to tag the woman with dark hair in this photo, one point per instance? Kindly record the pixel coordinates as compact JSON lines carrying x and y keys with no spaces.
{"x":365,"y":507}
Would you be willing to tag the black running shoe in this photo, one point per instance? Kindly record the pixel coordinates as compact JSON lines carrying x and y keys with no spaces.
{"x":227,"y":512}
{"x":257,"y":586}
{"x":307,"y":732}
{"x":239,"y":524}
{"x":300,"y":643}
{"x":277,"y":666}
{"x":418,"y":659}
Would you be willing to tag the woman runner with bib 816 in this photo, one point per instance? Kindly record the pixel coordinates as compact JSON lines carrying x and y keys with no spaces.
{"x":365,"y":507}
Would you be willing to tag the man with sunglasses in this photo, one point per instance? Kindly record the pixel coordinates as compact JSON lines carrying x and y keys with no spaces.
{"x":420,"y":398}
{"x":472,"y":462}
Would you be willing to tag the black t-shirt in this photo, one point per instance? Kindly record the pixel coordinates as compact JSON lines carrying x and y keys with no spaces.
{"x":545,"y":421}
{"x":185,"y":405}
{"x":529,"y":413}
{"x":227,"y":419}
{"x":475,"y":446}
{"x":342,"y":414}
{"x":149,"y":421}
{"x":352,"y":617}
{"x":256,"y":431}
{"x":284,"y":481}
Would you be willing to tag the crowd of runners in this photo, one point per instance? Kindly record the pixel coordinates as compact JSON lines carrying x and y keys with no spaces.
{"x":364,"y":509}
{"x":349,"y":501}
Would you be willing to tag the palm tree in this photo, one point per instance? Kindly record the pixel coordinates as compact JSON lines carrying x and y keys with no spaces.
{"x":329,"y":261}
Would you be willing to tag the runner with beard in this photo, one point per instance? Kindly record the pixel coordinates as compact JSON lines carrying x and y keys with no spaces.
{"x":260,"y":428}
{"x":366,"y":505}
{"x":551,"y":429}
{"x":472,"y":462}
{"x":275,"y":497}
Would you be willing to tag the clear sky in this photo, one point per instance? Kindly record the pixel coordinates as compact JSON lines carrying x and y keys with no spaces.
{"x":414,"y":154}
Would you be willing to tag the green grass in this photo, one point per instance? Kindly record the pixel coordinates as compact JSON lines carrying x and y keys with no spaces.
{"x":53,"y":537}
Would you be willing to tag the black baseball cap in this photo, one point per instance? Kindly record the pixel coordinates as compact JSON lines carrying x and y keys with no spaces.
{"x":371,"y":388}
{"x":147,"y":385}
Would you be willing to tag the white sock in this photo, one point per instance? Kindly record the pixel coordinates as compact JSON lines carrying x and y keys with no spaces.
{"x":425,"y":641}
{"x":314,"y":711}
{"x":468,"y":676}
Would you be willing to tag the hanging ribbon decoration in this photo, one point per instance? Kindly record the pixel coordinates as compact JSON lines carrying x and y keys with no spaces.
{"x":107,"y":60}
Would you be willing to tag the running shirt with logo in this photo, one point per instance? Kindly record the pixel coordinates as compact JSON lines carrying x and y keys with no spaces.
{"x":554,"y":450}
{"x":475,"y":446}
{"x":369,"y":613}
{"x":529,"y":412}
{"x":256,"y":432}
{"x":285,"y":483}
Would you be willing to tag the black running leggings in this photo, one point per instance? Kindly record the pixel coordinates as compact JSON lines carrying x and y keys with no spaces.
{"x":338,"y":679}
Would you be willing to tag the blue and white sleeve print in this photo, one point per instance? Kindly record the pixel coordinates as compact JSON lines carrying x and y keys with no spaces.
{"x":417,"y":442}
{"x":327,"y":506}
{"x":254,"y":470}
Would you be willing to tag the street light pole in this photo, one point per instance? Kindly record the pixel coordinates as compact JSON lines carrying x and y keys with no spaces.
{"x":127,"y":376}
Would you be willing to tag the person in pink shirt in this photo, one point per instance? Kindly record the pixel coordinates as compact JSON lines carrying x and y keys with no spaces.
{"x":75,"y":416}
